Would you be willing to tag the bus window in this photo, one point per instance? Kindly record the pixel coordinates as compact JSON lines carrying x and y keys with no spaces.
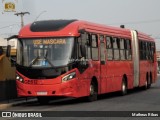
{"x":109,"y":42}
{"x":141,"y":50}
{"x":78,"y":45}
{"x":150,"y":54}
{"x":147,"y":50}
{"x":153,"y":51}
{"x":85,"y":41}
{"x":116,"y":45}
{"x":122,"y":50}
{"x":94,"y":45}
{"x":94,"y":41}
{"x":128,"y":52}
{"x":102,"y":49}
{"x":88,"y":46}
{"x":109,"y":47}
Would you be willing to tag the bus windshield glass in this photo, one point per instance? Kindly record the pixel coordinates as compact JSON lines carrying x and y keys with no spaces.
{"x":44,"y":52}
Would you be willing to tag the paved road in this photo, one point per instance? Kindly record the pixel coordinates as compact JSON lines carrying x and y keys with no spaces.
{"x":136,"y":100}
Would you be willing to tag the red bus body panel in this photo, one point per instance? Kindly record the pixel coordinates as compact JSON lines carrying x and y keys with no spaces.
{"x":109,"y":78}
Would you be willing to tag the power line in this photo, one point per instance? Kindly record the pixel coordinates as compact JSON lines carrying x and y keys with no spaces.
{"x":39,"y":15}
{"x":9,"y":22}
{"x":9,"y":26}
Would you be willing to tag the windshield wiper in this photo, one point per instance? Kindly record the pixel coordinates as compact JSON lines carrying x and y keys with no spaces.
{"x":33,"y":61}
{"x":48,"y":59}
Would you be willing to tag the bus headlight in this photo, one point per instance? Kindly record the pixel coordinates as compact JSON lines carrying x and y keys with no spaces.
{"x":69,"y":77}
{"x":19,"y":78}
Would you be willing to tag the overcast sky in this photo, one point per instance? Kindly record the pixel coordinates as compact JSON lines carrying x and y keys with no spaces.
{"x":142,"y":15}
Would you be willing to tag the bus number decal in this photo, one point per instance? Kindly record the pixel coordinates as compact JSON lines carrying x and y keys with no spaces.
{"x":37,"y":42}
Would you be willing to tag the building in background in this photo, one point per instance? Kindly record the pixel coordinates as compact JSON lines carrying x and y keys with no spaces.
{"x":7,"y":71}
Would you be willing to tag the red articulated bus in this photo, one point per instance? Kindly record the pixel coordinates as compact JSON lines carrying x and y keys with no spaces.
{"x":74,"y":58}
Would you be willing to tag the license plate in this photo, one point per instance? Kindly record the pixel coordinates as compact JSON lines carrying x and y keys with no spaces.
{"x":41,"y":93}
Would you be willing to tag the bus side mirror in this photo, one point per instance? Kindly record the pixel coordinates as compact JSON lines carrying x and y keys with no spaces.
{"x":83,"y":50}
{"x":8,"y":51}
{"x":1,"y":50}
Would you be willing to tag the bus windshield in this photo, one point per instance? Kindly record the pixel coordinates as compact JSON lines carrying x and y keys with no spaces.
{"x":44,"y":52}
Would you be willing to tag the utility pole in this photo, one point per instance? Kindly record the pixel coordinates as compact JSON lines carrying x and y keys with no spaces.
{"x":22,"y":14}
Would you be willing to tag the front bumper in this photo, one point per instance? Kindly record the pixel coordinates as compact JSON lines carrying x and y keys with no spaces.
{"x":68,"y":89}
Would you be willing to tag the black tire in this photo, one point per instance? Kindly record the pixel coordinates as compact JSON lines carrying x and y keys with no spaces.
{"x":93,"y":92}
{"x":43,"y":100}
{"x":147,"y":83}
{"x":124,"y":87}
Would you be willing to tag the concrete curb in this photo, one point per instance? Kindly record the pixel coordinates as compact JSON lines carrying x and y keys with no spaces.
{"x":6,"y":105}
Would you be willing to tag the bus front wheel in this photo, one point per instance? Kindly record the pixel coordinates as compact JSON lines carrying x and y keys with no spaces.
{"x":93,"y":92}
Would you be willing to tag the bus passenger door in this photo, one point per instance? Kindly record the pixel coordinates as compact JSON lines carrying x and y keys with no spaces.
{"x":103,"y":65}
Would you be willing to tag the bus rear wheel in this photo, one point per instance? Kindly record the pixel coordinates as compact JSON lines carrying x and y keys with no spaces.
{"x":43,"y":100}
{"x":147,"y":83}
{"x":124,"y":87}
{"x":93,"y":92}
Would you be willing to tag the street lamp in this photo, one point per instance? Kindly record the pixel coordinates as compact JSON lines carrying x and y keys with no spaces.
{"x":39,"y":15}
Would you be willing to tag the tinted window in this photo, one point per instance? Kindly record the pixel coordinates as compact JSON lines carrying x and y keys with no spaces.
{"x":109,"y":43}
{"x":94,"y":45}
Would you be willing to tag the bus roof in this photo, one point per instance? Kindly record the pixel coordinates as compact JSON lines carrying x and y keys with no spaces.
{"x":57,"y":28}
